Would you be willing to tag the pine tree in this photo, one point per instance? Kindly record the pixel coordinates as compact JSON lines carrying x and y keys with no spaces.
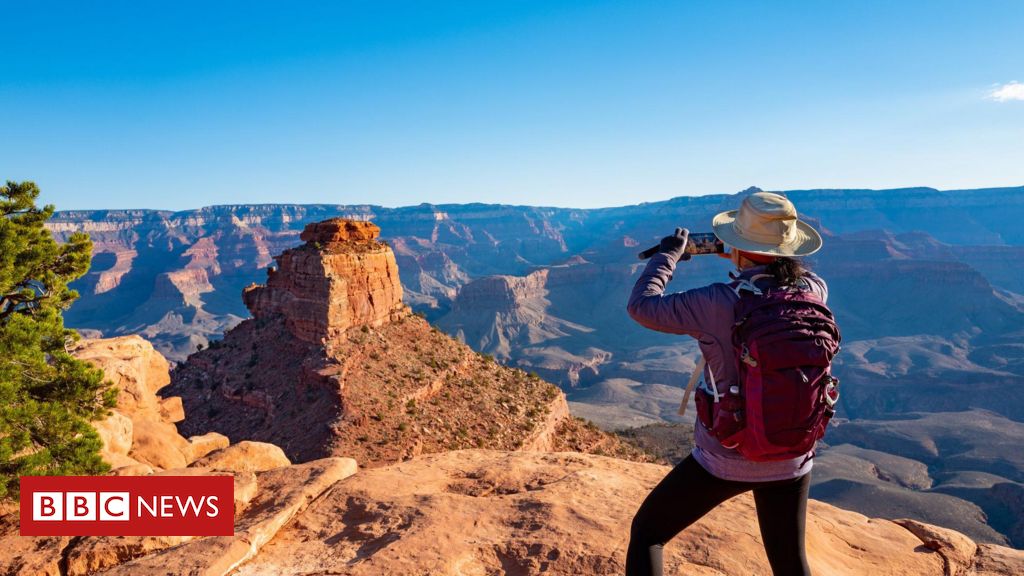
{"x":47,"y":397}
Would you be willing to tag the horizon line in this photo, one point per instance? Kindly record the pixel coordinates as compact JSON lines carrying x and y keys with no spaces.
{"x":546,"y":207}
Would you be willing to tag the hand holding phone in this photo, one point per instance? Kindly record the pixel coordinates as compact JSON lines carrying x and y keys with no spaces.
{"x":697,"y":243}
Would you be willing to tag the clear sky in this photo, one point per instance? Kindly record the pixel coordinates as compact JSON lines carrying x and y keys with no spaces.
{"x":177,"y":105}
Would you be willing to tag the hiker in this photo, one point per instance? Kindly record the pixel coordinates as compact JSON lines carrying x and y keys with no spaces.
{"x":765,"y":240}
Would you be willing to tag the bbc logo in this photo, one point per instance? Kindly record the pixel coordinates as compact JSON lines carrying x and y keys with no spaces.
{"x":80,"y":506}
{"x":127,"y":506}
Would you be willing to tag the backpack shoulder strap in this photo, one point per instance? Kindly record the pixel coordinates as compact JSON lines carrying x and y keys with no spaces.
{"x":693,"y":382}
{"x":748,"y":284}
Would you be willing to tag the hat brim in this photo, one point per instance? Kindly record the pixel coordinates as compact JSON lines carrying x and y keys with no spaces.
{"x":805,"y":242}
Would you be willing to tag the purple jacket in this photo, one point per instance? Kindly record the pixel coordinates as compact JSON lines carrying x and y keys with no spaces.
{"x":706,"y":313}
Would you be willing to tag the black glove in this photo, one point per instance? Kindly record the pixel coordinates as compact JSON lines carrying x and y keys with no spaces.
{"x":674,"y":246}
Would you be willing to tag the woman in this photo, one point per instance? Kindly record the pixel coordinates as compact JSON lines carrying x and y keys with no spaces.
{"x":766,"y":239}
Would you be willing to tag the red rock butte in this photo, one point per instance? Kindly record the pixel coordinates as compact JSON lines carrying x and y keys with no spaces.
{"x":341,"y":277}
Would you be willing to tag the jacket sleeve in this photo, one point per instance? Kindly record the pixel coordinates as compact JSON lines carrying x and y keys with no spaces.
{"x":679,"y":313}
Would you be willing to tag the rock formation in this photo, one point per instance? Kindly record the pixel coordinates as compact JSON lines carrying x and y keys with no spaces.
{"x":265,"y":501}
{"x":139,"y":436}
{"x":333,"y":364}
{"x":501,"y":314}
{"x":341,"y":277}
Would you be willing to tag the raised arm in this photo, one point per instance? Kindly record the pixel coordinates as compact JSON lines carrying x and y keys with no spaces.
{"x":679,"y":313}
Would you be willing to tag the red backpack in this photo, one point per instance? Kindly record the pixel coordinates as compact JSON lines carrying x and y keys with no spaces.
{"x":784,"y":339}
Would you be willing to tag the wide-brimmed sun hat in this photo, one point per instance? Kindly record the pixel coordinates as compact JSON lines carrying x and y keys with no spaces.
{"x":767,"y":223}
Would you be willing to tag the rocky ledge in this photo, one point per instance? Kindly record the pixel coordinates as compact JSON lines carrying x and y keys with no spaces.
{"x":481,"y":512}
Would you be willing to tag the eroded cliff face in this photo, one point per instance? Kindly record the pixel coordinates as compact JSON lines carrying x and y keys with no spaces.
{"x":340,"y":278}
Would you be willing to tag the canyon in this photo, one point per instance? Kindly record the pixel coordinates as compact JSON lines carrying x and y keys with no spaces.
{"x":333,"y":363}
{"x":926,"y":285}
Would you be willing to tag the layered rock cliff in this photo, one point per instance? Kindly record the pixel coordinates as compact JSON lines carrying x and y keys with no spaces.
{"x":502,"y":315}
{"x":341,"y":277}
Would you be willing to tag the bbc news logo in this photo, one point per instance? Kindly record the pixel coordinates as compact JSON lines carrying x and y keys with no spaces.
{"x":127,"y":506}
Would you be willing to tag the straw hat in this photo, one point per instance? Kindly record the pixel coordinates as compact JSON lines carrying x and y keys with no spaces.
{"x":766,"y":223}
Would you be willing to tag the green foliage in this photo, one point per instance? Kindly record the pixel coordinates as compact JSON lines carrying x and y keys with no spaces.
{"x":47,"y":397}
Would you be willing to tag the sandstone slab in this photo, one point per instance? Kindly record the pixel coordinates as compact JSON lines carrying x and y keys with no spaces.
{"x":284,"y":493}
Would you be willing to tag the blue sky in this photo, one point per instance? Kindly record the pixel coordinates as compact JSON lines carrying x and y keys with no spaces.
{"x":180,"y":105}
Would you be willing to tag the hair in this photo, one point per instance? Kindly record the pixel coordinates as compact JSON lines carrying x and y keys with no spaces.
{"x":787,"y":271}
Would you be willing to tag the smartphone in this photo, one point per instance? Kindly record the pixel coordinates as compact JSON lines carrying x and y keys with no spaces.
{"x":699,"y":243}
{"x":704,"y":243}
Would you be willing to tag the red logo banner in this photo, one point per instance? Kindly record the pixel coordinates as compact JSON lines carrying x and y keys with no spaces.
{"x":127,"y":506}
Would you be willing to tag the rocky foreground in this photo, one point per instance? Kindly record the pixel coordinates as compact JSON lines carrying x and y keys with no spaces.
{"x":464,"y":512}
{"x":480,"y":512}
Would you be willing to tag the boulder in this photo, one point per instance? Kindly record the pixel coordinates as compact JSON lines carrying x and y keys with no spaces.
{"x":171,"y":409}
{"x":133,"y":470}
{"x":204,"y":444}
{"x":246,"y":456}
{"x":130,"y":362}
{"x":119,"y":461}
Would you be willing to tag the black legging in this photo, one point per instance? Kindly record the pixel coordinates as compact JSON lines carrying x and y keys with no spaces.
{"x":689,"y":492}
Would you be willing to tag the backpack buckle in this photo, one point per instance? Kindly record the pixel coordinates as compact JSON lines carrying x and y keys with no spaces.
{"x":746,"y":358}
{"x":831,"y":392}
